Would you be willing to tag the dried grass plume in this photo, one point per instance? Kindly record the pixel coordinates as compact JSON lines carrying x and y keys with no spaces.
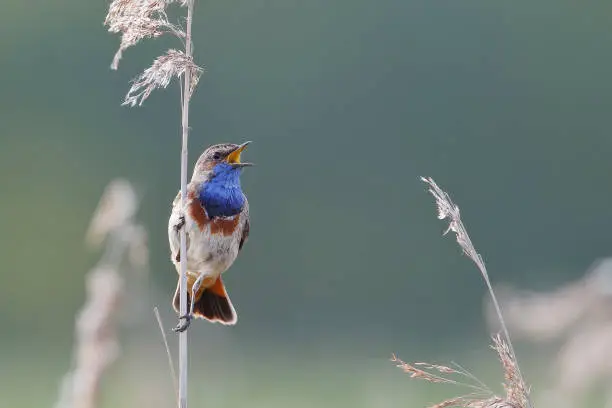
{"x":516,"y":389}
{"x":480,"y":396}
{"x":139,"y":19}
{"x":96,"y":330}
{"x":172,"y":64}
{"x":116,"y":207}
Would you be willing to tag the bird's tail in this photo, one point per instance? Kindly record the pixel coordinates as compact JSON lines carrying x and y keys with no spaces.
{"x":211,"y":303}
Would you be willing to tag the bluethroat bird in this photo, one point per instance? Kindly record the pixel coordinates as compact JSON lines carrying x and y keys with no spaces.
{"x":216,"y":222}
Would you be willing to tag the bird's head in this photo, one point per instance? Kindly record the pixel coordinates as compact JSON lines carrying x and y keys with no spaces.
{"x":220,"y":159}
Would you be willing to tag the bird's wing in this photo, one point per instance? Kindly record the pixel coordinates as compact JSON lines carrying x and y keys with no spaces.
{"x":177,"y":199}
{"x":174,"y":224}
{"x":246,"y":227}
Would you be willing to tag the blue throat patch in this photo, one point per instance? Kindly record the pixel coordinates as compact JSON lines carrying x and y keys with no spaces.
{"x":222,"y":196}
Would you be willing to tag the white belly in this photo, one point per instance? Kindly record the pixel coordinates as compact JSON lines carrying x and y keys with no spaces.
{"x":207,"y":254}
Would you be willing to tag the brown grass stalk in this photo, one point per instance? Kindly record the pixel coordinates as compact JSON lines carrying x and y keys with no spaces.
{"x":517,"y":392}
{"x":96,"y":342}
{"x":480,"y":396}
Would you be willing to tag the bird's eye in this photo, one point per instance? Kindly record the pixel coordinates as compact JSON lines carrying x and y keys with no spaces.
{"x":217,"y":156}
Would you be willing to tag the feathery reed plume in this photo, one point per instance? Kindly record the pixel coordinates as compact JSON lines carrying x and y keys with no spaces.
{"x":135,"y":20}
{"x":116,"y":207}
{"x":480,"y":396}
{"x":449,"y":210}
{"x":516,"y":390}
{"x":97,"y":345}
{"x":139,"y":19}
{"x":165,"y":67}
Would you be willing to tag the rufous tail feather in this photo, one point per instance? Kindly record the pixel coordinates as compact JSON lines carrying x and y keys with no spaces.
{"x":212,"y":304}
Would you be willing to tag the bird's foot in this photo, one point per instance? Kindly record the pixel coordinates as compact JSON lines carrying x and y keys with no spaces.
{"x":180,"y":224}
{"x":184,"y":322}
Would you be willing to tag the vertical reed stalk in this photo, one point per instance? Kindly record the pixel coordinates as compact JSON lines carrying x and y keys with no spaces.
{"x":183,"y":349}
{"x":136,"y":20}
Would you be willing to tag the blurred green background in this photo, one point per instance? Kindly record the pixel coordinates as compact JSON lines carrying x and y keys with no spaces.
{"x":348,"y":102}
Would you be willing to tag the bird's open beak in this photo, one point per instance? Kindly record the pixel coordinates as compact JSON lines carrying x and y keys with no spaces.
{"x":234,"y":157}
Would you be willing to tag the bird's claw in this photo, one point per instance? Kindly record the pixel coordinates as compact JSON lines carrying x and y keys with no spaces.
{"x":180,"y":224}
{"x":184,"y":322}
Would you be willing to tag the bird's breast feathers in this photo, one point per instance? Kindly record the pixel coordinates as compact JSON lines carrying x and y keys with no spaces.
{"x":213,"y":242}
{"x":225,"y":226}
